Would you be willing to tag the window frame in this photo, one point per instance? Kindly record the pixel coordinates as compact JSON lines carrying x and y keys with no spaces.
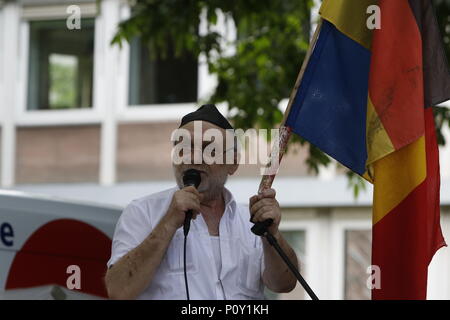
{"x":325,"y":229}
{"x":25,"y":117}
{"x":306,"y":226}
{"x":124,"y":113}
{"x":127,"y":113}
{"x":344,"y":219}
{"x":92,"y":25}
{"x":307,"y":220}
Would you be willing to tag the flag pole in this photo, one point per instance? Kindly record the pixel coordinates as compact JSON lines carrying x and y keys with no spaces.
{"x":285,"y":132}
{"x":278,"y":150}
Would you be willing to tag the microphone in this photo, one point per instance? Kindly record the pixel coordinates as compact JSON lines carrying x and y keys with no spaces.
{"x":191,"y":177}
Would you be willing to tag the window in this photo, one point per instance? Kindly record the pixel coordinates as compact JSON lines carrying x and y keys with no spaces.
{"x":296,"y":240}
{"x":155,"y":80}
{"x":357,"y":259}
{"x":60,"y":65}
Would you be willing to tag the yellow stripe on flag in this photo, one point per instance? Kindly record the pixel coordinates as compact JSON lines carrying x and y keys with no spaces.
{"x":378,"y":143}
{"x":396,"y":175}
{"x":349,"y":17}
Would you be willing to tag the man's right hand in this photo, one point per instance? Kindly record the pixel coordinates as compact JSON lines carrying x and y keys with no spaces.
{"x":183,"y":200}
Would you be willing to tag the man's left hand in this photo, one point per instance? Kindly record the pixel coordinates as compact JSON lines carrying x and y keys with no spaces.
{"x":264,"y":206}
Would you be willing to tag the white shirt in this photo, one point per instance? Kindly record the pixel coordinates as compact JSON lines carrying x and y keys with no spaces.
{"x":215,"y":240}
{"x":241,"y":252}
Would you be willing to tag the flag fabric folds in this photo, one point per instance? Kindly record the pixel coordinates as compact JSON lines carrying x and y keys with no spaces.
{"x":365,"y":99}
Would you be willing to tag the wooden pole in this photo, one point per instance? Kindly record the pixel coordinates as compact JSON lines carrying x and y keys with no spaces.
{"x":285,"y":132}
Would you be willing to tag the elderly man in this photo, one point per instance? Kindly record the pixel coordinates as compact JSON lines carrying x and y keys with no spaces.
{"x":225,"y":260}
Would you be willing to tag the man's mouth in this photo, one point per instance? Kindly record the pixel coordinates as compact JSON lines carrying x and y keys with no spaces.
{"x":201,"y":171}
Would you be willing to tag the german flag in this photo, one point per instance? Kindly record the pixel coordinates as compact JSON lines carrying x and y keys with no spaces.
{"x":365,"y":99}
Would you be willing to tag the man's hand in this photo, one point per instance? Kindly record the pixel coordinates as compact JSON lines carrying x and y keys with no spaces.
{"x":134,"y":271}
{"x":264,"y":206}
{"x":183,"y":200}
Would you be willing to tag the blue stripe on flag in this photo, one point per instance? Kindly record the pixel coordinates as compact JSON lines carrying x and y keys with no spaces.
{"x":330,"y":107}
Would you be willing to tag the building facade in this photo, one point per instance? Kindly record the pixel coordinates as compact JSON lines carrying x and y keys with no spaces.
{"x":81,"y":119}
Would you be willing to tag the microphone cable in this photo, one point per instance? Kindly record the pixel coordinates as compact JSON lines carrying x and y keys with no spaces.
{"x":191,"y":177}
{"x":184,"y":267}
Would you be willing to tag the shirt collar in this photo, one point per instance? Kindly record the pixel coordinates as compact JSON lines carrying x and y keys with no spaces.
{"x":230,"y":202}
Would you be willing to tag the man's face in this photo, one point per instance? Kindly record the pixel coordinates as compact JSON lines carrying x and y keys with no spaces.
{"x":213,"y":175}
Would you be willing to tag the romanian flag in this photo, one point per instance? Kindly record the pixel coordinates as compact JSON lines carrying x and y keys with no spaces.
{"x":365,"y":99}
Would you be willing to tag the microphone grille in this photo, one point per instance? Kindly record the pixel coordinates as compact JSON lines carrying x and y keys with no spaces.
{"x":191,"y":177}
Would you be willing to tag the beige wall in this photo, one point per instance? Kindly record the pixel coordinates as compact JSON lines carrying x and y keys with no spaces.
{"x":57,"y":154}
{"x":144,"y":153}
{"x":70,"y":154}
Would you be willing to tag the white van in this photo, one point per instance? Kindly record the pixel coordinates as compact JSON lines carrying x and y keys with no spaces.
{"x":53,"y":249}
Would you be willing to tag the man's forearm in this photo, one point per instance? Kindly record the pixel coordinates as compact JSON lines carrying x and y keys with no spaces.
{"x":277,"y":275}
{"x":133,"y":272}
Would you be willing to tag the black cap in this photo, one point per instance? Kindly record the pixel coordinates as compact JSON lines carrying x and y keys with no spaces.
{"x":209,"y":113}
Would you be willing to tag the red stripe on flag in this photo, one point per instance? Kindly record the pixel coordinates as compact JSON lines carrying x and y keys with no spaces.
{"x":435,"y":239}
{"x":405,"y":240}
{"x":399,"y":246}
{"x":396,"y":76}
